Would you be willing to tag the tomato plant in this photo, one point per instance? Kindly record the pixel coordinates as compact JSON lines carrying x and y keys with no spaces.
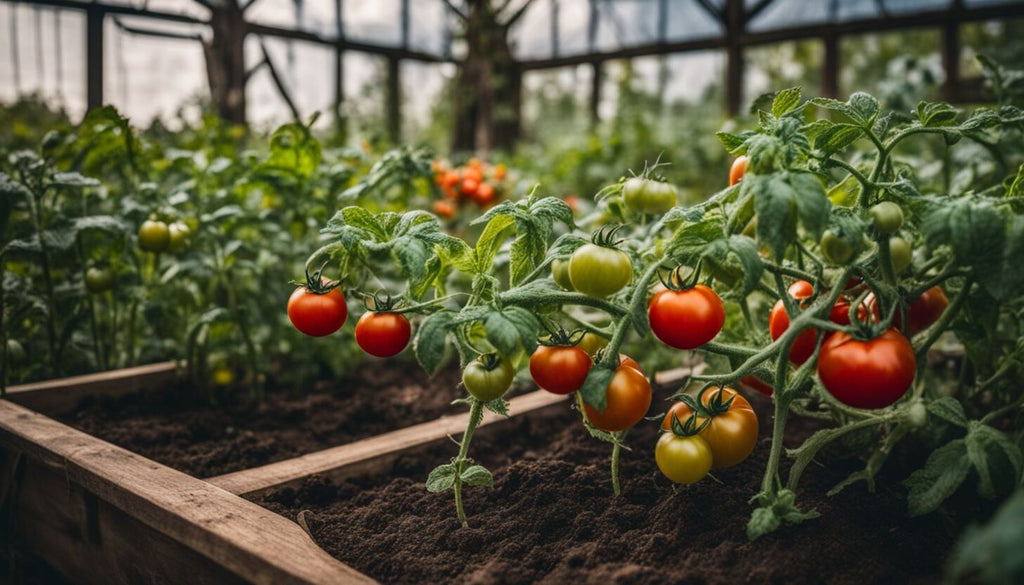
{"x":731,"y":426}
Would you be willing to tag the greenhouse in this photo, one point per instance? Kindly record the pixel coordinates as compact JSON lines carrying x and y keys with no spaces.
{"x":511,"y":291}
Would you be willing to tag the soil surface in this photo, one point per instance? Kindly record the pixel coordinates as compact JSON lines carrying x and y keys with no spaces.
{"x":551,"y":518}
{"x":205,"y":441}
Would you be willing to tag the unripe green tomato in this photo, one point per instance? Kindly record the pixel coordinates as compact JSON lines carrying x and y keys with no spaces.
{"x":487,"y":384}
{"x":887,"y":217}
{"x":916,"y":415}
{"x":899,"y":250}
{"x":15,"y":352}
{"x":154,"y":236}
{"x":560,"y":272}
{"x":222,"y":375}
{"x":592,"y":343}
{"x":649,"y":196}
{"x":598,"y":271}
{"x":836,"y":249}
{"x":179,"y":233}
{"x":99,"y":280}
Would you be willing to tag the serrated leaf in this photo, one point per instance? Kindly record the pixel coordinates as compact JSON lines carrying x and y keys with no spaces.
{"x":74,"y":180}
{"x":934,"y":114}
{"x":431,"y":341}
{"x":762,"y":521}
{"x":865,"y":105}
{"x":948,"y":409}
{"x":785,"y":101}
{"x":595,"y":388}
{"x":491,"y":239}
{"x":947,"y":467}
{"x":477,"y":475}
{"x":441,"y":478}
{"x":995,"y":458}
{"x":103,"y":223}
{"x":837,"y":137}
{"x":733,"y":143}
{"x":498,"y":406}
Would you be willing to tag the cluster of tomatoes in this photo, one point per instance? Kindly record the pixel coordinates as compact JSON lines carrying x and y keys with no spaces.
{"x":475,"y":182}
{"x":154,"y":236}
{"x":322,"y":310}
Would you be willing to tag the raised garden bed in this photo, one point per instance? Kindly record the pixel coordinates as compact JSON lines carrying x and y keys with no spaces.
{"x":98,"y":513}
{"x":551,"y":518}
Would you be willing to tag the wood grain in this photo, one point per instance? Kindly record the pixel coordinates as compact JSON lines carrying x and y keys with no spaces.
{"x":60,"y":396}
{"x":117,"y":501}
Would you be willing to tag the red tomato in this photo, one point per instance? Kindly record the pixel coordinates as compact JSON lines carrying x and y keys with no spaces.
{"x":317,"y":315}
{"x":444,"y":208}
{"x":474,"y":174}
{"x":469,"y":187}
{"x":924,"y":310}
{"x":738,"y":169}
{"x":803,"y":345}
{"x":757,"y":384}
{"x":559,"y":370}
{"x":629,"y":396}
{"x":450,"y":179}
{"x":867,"y":374}
{"x":625,"y":360}
{"x":483,"y":195}
{"x":383,"y":333}
{"x":686,"y":319}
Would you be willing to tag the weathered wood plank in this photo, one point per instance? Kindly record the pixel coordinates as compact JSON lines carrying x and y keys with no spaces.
{"x":248,"y":541}
{"x":370,"y":454}
{"x":377,"y":453}
{"x":60,"y":396}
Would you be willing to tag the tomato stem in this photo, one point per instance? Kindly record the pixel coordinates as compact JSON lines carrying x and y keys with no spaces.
{"x":475,"y":416}
{"x":616,"y":450}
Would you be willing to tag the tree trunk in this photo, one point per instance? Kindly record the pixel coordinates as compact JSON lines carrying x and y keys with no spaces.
{"x":225,"y":61}
{"x":487,"y":85}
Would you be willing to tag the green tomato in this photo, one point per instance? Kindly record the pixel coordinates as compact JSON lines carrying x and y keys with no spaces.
{"x":15,"y":351}
{"x":887,"y":217}
{"x":835,"y":248}
{"x":154,"y":236}
{"x":649,"y":196}
{"x":560,"y":272}
{"x":598,"y":271}
{"x":179,"y":233}
{"x":488,"y":377}
{"x":916,"y":415}
{"x":592,"y":343}
{"x":99,"y":280}
{"x":899,"y":250}
{"x":683,"y":460}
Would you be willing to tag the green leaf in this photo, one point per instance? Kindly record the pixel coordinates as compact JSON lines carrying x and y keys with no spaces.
{"x":498,"y":406}
{"x":947,"y":467}
{"x":477,"y":475}
{"x":781,"y":198}
{"x":74,"y":180}
{"x":865,"y":105}
{"x":837,"y":137}
{"x":104,"y":223}
{"x":511,"y":327}
{"x":431,"y":341}
{"x":762,"y":521}
{"x":935,"y":114}
{"x":441,"y":478}
{"x":995,"y":457}
{"x":948,"y":409}
{"x":846,"y":192}
{"x":992,"y":553}
{"x":595,"y":387}
{"x":786,"y":101}
{"x":491,"y":239}
{"x":733,"y":143}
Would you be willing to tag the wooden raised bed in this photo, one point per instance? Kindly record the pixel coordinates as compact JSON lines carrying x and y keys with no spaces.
{"x":98,"y":513}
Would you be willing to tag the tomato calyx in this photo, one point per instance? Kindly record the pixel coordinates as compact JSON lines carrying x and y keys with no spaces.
{"x":694,"y":424}
{"x":606,"y":237}
{"x":380,"y":302}
{"x":490,"y":361}
{"x":561,"y":338}
{"x":677,"y":282}
{"x":315,"y":282}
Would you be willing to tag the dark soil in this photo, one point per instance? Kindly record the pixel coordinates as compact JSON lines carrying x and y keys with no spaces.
{"x":205,"y":441}
{"x":551,"y":519}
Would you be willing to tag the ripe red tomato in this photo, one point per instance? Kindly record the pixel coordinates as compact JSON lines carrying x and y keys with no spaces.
{"x":484,"y":195}
{"x":924,"y":310}
{"x":731,"y":435}
{"x":755,"y":383}
{"x":469,"y":187}
{"x":686,"y":319}
{"x":383,"y":333}
{"x":444,"y":208}
{"x":629,"y":396}
{"x":867,"y":374}
{"x":803,"y":346}
{"x":559,"y":370}
{"x":625,"y":360}
{"x":317,"y":315}
{"x":738,"y":169}
{"x":473,"y":173}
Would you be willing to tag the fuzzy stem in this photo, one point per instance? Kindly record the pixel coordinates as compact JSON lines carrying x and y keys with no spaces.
{"x":475,"y":416}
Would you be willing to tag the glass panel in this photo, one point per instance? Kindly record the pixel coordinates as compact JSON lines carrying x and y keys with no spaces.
{"x":776,"y":67}
{"x":306,"y":70}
